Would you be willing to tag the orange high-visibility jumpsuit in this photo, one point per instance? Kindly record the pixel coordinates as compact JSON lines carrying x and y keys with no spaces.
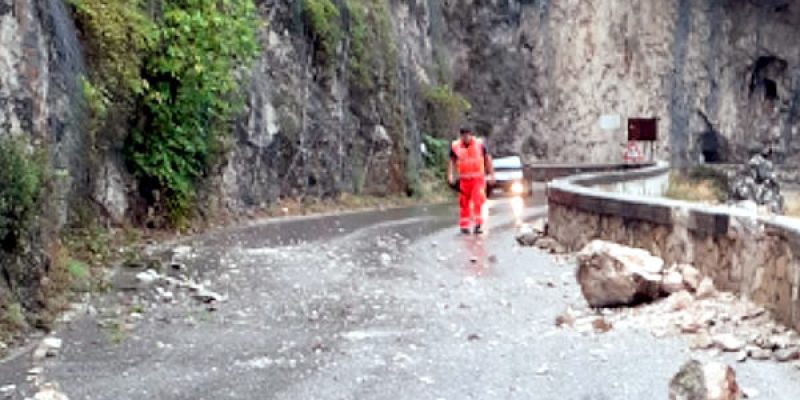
{"x":469,"y":160}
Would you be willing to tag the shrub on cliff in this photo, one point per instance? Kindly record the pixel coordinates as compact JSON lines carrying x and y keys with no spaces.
{"x":191,"y":95}
{"x":22,"y":178}
{"x":173,"y":71}
{"x":323,"y":22}
{"x":445,"y":109}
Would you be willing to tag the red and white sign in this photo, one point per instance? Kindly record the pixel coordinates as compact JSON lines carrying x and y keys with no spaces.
{"x":632,"y":153}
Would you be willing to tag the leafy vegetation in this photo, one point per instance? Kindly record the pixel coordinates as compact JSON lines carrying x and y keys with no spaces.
{"x":436,"y":154}
{"x":358,"y":51}
{"x":13,"y":317}
{"x":445,"y":109}
{"x":191,"y":94}
{"x":119,"y":35}
{"x":23,"y":177}
{"x":371,"y":51}
{"x":323,"y":21}
{"x":174,"y":76}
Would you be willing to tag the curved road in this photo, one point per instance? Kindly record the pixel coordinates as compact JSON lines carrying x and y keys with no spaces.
{"x":380,"y":305}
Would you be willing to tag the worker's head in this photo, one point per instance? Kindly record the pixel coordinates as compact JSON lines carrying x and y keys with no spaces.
{"x":466,"y":135}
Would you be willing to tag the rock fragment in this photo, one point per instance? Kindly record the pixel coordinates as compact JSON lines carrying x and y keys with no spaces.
{"x":49,"y":347}
{"x":728,"y":342}
{"x":691,"y":276}
{"x":709,"y":381}
{"x":148,"y":277}
{"x":527,"y":236}
{"x":701,"y":341}
{"x":706,"y":289}
{"x":673,"y":282}
{"x":787,"y":354}
{"x":680,"y":301}
{"x":567,"y":318}
{"x":50,"y":392}
{"x":757,"y":353}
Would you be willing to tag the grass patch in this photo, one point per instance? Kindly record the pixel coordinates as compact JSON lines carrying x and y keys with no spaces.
{"x":698,"y":184}
{"x":116,"y":332}
{"x":77,"y":270}
{"x":13,"y":316}
{"x":791,"y":204}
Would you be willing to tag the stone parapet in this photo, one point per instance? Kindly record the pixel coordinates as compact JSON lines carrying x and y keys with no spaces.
{"x":755,"y":256}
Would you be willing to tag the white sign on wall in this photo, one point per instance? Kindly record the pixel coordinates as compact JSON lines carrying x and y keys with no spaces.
{"x":610,"y":122}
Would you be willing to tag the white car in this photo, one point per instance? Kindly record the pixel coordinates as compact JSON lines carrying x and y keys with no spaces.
{"x":509,"y":177}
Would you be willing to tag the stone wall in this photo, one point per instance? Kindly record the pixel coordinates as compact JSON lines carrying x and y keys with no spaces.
{"x":757,"y":257}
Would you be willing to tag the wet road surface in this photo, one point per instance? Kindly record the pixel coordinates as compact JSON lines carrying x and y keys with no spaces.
{"x":381,"y":305}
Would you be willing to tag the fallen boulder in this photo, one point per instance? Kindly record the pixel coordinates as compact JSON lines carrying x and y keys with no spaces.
{"x":710,"y":381}
{"x":612,"y":275}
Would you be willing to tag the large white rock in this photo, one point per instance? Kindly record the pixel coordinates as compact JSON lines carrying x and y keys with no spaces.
{"x":613,"y":275}
{"x":710,"y":381}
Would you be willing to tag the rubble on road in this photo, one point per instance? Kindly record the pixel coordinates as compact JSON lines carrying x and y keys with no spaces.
{"x":50,"y":391}
{"x":567,"y":318}
{"x":677,"y":300}
{"x":49,"y":347}
{"x":722,"y":322}
{"x":535,"y":235}
{"x":148,"y":277}
{"x":527,"y":236}
{"x":704,"y":381}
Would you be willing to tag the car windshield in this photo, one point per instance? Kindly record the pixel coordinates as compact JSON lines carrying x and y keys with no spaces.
{"x":512,"y":162}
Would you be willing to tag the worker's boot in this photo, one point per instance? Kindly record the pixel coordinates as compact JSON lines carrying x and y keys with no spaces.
{"x":465,"y":231}
{"x":478,"y":230}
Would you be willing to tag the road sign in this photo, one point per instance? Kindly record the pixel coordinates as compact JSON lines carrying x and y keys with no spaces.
{"x":609,"y":122}
{"x":632,"y":153}
{"x":643,"y":129}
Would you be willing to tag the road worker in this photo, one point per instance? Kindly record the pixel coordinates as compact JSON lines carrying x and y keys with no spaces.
{"x":470,"y":159}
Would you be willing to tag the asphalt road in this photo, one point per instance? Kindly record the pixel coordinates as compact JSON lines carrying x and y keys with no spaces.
{"x":380,"y":305}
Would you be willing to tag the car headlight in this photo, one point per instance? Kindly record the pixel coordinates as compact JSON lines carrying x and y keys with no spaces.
{"x":517,"y":188}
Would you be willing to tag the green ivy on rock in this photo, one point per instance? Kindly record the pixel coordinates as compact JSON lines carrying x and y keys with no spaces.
{"x":190,"y":95}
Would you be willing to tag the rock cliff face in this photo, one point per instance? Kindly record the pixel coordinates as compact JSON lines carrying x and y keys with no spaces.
{"x":40,"y":62}
{"x":718,"y":74}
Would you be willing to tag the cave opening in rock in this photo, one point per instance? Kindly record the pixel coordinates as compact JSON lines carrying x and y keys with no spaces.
{"x":771,"y":89}
{"x":767,"y":70}
{"x":713,"y":145}
{"x":711,"y":149}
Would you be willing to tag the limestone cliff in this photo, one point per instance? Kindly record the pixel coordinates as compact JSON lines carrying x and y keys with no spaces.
{"x":718,"y":74}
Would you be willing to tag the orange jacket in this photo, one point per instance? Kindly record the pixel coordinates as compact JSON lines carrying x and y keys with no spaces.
{"x":469,"y":159}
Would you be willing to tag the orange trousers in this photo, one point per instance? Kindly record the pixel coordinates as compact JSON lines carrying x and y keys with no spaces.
{"x":471,"y":199}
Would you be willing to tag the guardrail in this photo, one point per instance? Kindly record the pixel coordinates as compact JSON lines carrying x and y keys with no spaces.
{"x":756,"y":256}
{"x":549,"y":172}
